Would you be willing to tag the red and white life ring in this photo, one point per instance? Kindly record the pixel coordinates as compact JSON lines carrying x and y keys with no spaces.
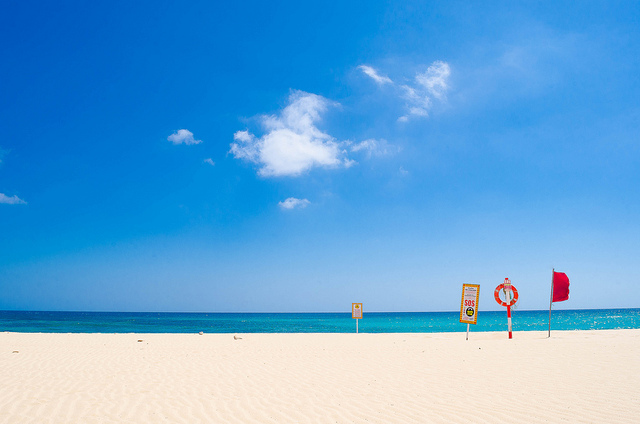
{"x":496,"y":294}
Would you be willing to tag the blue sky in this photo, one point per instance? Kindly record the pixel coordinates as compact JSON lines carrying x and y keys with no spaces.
{"x":258,"y":156}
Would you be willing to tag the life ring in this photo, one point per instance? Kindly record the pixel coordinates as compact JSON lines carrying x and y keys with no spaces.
{"x":496,"y":294}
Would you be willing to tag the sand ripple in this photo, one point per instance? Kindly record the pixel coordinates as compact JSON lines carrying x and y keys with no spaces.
{"x":580,"y":376}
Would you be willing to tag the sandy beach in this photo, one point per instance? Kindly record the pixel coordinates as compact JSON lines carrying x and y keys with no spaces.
{"x":576,"y":376}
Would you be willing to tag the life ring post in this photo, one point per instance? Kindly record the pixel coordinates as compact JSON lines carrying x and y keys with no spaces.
{"x":510,"y":299}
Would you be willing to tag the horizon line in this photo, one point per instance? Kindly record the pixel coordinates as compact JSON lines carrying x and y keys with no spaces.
{"x":289,"y":312}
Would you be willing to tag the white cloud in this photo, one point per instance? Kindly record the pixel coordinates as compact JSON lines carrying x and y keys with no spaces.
{"x":183,"y":137}
{"x":433,"y":83}
{"x":348,"y":163}
{"x":419,"y":104}
{"x":293,"y":144}
{"x":373,"y":147}
{"x":428,"y":85}
{"x":13,"y":200}
{"x":434,"y":80}
{"x":292,"y":203}
{"x":380,"y":79}
{"x":209,"y":161}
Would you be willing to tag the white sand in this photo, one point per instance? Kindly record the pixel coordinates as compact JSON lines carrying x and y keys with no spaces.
{"x":577,"y":376}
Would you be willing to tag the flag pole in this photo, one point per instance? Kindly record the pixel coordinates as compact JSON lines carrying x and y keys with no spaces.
{"x":553,"y":270}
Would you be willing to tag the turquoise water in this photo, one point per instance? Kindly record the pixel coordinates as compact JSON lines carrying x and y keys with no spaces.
{"x":380,"y":322}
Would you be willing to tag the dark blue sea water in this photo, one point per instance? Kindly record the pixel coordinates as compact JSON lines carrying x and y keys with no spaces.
{"x":380,"y":322}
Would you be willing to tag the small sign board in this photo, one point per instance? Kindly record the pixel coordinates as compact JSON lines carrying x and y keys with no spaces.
{"x":507,"y":284}
{"x":508,"y":295}
{"x":469,"y":304}
{"x":356,"y":310}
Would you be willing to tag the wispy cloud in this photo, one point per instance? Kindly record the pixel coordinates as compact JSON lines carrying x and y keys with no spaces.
{"x":380,"y":79}
{"x":433,"y":83}
{"x":209,"y":161}
{"x":13,"y":200}
{"x":418,"y":95}
{"x":374,"y":147}
{"x":435,"y":79}
{"x":292,"y":144}
{"x":292,"y":203}
{"x":183,"y":137}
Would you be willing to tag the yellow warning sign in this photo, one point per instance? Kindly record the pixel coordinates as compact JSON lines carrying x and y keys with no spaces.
{"x":356,"y":310}
{"x":469,"y":304}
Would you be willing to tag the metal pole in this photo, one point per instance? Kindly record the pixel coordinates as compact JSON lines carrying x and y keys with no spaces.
{"x":509,"y":316}
{"x":508,"y":295}
{"x":467,"y":331}
{"x":553,"y":270}
{"x":357,"y":325}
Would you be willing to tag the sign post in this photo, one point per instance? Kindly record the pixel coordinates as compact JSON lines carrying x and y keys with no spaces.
{"x":356,"y":313}
{"x":469,"y":305}
{"x":507,"y":298}
{"x":510,"y":299}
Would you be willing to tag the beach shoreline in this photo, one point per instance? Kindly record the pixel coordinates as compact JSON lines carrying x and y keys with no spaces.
{"x":574,"y":376}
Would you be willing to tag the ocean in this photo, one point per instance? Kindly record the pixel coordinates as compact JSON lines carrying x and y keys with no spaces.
{"x":373,"y":322}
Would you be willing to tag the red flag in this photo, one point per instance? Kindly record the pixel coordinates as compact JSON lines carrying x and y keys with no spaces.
{"x":560,"y":287}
